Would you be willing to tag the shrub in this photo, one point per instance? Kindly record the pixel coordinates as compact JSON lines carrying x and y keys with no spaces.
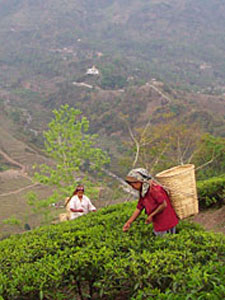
{"x":91,"y":258}
{"x":211,"y":191}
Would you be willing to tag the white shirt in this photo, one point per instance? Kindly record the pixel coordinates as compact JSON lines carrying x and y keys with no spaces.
{"x":84,"y":204}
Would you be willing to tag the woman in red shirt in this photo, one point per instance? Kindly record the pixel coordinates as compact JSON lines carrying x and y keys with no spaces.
{"x":155,"y":200}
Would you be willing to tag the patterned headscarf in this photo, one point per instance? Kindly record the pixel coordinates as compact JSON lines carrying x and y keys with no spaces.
{"x":142,"y":176}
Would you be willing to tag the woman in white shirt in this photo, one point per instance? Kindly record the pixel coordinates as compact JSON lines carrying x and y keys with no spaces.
{"x":80,"y":204}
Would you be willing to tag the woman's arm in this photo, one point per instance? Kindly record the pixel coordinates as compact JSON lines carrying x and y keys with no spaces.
{"x":158,"y":210}
{"x":131,"y":219}
{"x":76,"y":210}
{"x":72,"y":205}
{"x":91,"y":207}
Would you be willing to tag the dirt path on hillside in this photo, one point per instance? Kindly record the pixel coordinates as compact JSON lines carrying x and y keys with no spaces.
{"x":13,"y":162}
{"x":10,"y":174}
{"x":159,"y":92}
{"x":212,"y":219}
{"x":19,"y":190}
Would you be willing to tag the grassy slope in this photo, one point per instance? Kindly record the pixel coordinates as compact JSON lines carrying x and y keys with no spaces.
{"x":102,"y":118}
{"x":12,"y":182}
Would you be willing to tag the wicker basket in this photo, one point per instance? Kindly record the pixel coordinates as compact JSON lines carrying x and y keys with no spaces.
{"x":180,"y":181}
{"x":63,"y":217}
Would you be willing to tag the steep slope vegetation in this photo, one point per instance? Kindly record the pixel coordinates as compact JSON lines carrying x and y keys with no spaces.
{"x":180,"y":41}
{"x":92,"y":258}
{"x":47,"y":46}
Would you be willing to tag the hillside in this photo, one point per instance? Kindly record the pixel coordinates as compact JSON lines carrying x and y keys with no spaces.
{"x":47,"y":47}
{"x":181,"y":42}
{"x":154,"y":58}
{"x":91,"y":257}
{"x":21,"y":127}
{"x":17,"y":159}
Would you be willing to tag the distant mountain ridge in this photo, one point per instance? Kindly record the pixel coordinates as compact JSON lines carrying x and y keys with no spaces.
{"x":48,"y":45}
{"x":181,"y":42}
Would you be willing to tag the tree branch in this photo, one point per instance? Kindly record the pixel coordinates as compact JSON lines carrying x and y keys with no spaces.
{"x":136,"y":144}
{"x":179,"y":158}
{"x":186,"y":149}
{"x":158,"y":158}
{"x":208,"y":162}
{"x":193,"y":154}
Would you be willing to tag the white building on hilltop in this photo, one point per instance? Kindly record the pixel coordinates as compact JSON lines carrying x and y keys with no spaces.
{"x":92,"y":71}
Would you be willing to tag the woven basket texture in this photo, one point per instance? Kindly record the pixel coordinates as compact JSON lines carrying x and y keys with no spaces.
{"x":181,"y":183}
{"x":63,"y":217}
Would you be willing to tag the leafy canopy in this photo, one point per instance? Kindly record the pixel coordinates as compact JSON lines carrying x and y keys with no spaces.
{"x":72,"y":151}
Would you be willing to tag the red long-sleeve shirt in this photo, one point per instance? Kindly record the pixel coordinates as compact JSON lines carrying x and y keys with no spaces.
{"x":155,"y":196}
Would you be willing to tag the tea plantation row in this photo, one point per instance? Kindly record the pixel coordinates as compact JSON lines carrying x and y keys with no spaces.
{"x":211,"y":191}
{"x":91,"y":258}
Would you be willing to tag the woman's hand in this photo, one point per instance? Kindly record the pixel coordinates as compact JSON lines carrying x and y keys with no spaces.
{"x":136,"y":213}
{"x":126,"y":227}
{"x":149,"y":219}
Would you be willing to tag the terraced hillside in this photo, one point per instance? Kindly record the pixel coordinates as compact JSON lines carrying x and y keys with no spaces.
{"x":16,"y":179}
{"x":179,"y":41}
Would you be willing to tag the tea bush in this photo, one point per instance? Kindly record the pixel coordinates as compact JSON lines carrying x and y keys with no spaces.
{"x":91,"y":258}
{"x":211,"y":191}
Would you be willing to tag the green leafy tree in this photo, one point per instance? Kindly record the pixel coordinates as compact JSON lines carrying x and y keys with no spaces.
{"x":73,"y":156}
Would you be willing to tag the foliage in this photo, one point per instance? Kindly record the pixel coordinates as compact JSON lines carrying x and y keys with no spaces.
{"x":91,"y":257}
{"x":166,"y":144}
{"x":74,"y":156}
{"x":211,"y":149}
{"x":160,"y":146}
{"x":211,"y":191}
{"x":182,"y":47}
{"x":113,"y":82}
{"x":12,"y":221}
